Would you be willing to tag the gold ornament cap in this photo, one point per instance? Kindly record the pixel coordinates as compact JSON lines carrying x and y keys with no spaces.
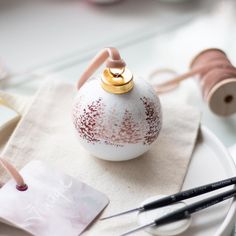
{"x":117,"y":81}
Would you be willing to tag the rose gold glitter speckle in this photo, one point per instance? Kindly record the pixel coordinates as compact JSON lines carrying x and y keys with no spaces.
{"x":87,"y":122}
{"x":129,"y":129}
{"x":153,"y":119}
{"x":95,"y":126}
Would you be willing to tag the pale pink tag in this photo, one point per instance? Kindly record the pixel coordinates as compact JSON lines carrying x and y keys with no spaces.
{"x":54,"y":204}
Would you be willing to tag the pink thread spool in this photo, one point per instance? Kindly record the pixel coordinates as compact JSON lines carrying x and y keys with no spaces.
{"x":217,"y":78}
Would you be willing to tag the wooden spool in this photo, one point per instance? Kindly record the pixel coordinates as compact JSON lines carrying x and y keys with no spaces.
{"x":222,"y":97}
{"x":217,"y":80}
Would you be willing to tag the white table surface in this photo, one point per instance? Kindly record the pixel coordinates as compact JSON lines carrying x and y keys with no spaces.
{"x":62,"y":36}
{"x":59,"y":37}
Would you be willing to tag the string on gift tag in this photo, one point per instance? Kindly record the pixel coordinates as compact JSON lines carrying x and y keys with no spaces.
{"x":12,"y":171}
{"x":217,"y":79}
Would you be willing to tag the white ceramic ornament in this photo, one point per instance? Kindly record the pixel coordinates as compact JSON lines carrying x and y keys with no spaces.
{"x":117,"y":116}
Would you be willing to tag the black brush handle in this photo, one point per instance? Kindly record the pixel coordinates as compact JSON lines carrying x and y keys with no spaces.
{"x":186,"y":211}
{"x":189,"y":194}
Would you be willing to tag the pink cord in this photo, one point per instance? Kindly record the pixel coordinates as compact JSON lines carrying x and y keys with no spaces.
{"x":112,"y":58}
{"x":202,"y":67}
{"x":20,"y":184}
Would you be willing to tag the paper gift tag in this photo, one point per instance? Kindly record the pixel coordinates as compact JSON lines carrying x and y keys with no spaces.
{"x":53,"y":204}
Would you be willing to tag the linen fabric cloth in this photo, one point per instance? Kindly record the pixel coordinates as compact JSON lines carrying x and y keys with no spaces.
{"x":46,"y":132}
{"x":17,"y":103}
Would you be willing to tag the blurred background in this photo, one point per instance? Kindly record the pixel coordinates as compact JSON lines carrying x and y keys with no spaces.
{"x":40,"y":38}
